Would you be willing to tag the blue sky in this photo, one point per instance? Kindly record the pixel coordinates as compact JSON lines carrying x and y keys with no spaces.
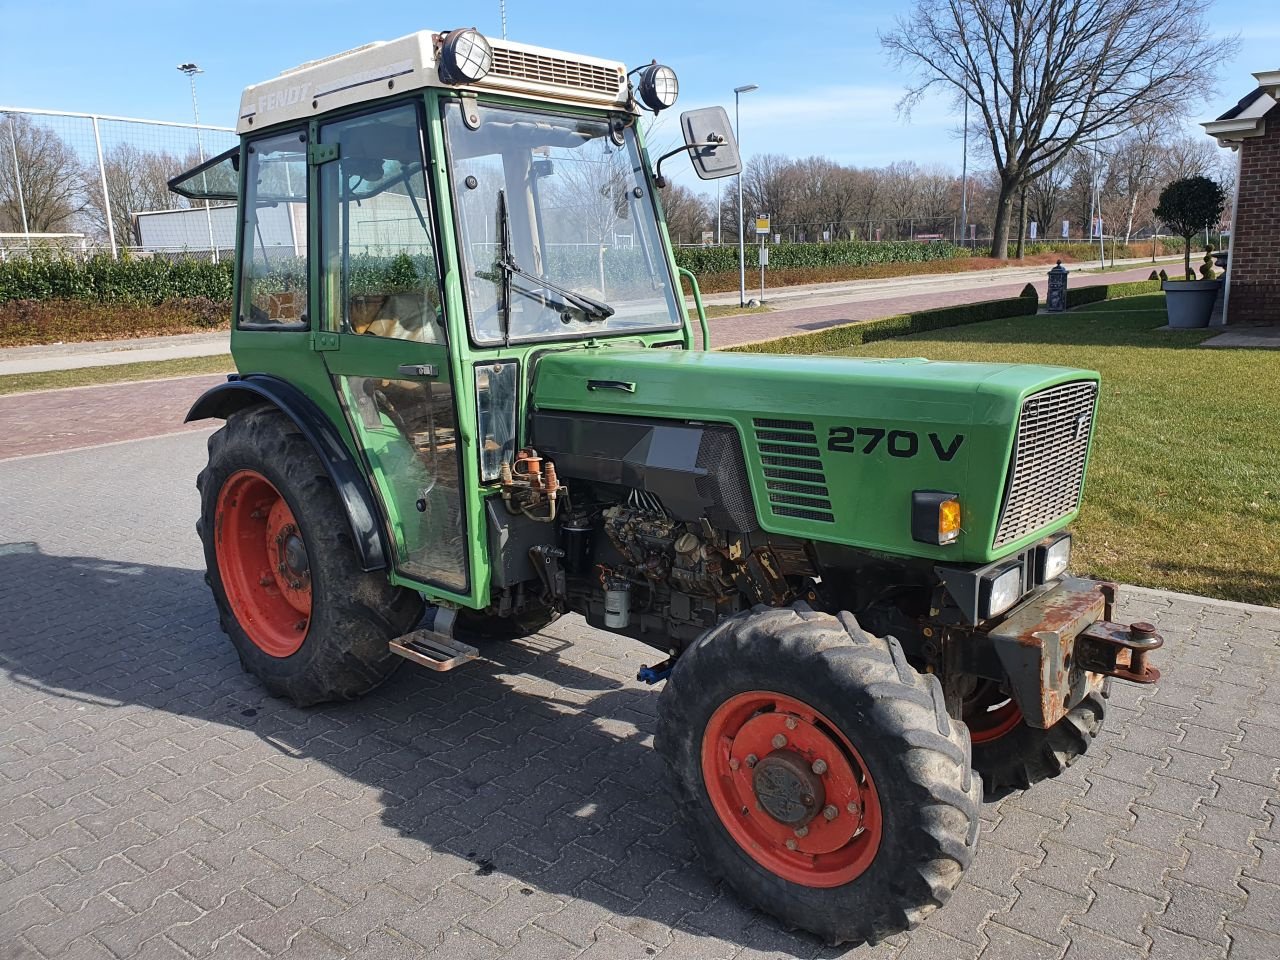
{"x":825,"y":86}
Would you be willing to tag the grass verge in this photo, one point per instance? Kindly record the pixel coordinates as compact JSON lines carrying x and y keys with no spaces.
{"x":117,"y":373}
{"x":1183,"y":490}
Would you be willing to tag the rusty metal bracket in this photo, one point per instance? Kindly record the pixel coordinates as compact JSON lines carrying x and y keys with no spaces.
{"x":1119,"y":651}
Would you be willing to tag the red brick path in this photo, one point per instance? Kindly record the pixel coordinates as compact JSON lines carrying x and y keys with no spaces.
{"x":728,"y":331}
{"x":83,"y":416}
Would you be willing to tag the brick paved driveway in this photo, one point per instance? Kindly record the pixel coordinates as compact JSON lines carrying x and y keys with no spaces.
{"x":155,"y":803}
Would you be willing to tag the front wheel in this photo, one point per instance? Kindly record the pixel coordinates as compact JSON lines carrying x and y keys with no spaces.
{"x":303,"y":616}
{"x":1010,"y":755}
{"x":818,"y":772}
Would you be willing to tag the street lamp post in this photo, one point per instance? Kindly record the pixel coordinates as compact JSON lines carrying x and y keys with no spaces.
{"x":190,"y":69}
{"x":742,"y":240}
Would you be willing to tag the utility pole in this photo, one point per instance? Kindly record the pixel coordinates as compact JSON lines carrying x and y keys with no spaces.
{"x":190,"y":69}
{"x":742,"y":241}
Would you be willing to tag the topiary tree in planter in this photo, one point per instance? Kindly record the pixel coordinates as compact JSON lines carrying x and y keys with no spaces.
{"x":1187,"y":207}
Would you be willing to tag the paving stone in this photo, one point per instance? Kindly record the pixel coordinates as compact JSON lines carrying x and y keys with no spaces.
{"x":1167,"y":945}
{"x":1004,"y":943}
{"x":1087,"y":944}
{"x":1195,"y":912}
{"x":1250,"y":943}
{"x":1040,"y":911}
{"x":1119,"y":913}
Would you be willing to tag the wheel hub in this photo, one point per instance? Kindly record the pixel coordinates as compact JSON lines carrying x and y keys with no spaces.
{"x":788,"y":789}
{"x":791,"y":789}
{"x":295,"y":555}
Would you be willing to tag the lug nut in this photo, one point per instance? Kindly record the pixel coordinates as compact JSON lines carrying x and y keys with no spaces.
{"x":752,"y":759}
{"x":802,"y":831}
{"x":791,"y":723}
{"x":819,"y":766}
{"x":779,"y":741}
{"x":733,"y":763}
{"x":852,"y":808}
{"x":830,"y":812}
{"x":791,"y":844}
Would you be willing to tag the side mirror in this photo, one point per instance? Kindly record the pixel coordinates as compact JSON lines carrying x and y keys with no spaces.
{"x":711,"y":144}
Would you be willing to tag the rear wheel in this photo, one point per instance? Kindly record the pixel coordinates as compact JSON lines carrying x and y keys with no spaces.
{"x":818,"y":772}
{"x":1009,"y":755}
{"x":302,"y":615}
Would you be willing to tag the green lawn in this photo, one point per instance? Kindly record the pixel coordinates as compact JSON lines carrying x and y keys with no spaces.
{"x":116,"y":373}
{"x":1183,"y":490}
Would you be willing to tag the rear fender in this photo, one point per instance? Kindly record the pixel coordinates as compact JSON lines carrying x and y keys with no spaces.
{"x":241,"y":392}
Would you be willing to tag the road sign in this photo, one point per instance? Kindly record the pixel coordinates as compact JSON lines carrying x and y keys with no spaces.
{"x":1035,"y":227}
{"x":764,"y":256}
{"x":1066,"y":229}
{"x":762,"y":224}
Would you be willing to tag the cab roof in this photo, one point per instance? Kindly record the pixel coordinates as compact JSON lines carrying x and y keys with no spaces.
{"x":379,"y":69}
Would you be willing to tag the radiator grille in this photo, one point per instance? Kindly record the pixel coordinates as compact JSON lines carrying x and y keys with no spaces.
{"x":539,"y":68}
{"x":1047,"y":472}
{"x":795,"y":484}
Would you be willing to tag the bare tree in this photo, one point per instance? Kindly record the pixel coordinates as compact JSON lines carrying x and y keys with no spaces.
{"x":687,"y":214}
{"x":49,"y":171}
{"x":1044,"y":76}
{"x":1133,"y":171}
{"x":768,"y":186}
{"x":137,"y":180}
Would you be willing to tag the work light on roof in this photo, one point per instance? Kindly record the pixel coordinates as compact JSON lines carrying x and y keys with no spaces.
{"x":658,"y":87}
{"x":465,"y":56}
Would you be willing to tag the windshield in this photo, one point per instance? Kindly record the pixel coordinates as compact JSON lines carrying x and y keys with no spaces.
{"x":558,"y":236}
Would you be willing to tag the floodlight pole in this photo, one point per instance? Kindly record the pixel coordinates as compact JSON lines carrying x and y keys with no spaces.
{"x":742,"y":239}
{"x":17,"y":176}
{"x":190,"y":69}
{"x":964,"y":170}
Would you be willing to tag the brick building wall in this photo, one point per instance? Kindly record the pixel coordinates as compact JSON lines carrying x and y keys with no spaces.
{"x":1255,"y":251}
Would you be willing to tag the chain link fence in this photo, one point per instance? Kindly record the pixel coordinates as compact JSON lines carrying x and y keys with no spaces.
{"x":84,"y":183}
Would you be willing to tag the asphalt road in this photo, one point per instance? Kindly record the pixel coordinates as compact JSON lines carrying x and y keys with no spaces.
{"x":155,"y":802}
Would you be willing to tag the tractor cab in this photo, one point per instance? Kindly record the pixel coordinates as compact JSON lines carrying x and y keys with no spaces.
{"x":417,"y":218}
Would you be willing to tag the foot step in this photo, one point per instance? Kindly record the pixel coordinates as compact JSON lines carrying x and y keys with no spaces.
{"x":436,"y":651}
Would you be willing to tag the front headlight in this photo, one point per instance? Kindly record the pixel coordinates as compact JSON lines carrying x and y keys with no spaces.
{"x":1052,"y":558}
{"x":999,"y":590}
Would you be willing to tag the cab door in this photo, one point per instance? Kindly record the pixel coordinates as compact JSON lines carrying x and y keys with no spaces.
{"x":384,"y":337}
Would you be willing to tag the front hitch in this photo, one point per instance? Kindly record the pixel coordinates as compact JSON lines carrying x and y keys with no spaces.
{"x":1062,"y":643}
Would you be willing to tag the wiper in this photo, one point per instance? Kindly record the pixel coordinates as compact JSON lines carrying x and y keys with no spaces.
{"x":589,"y":307}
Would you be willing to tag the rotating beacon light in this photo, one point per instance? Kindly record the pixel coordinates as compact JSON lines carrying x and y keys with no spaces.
{"x":465,"y":56}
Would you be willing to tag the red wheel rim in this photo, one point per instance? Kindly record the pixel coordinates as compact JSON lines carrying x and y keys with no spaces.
{"x":991,"y":714}
{"x":791,"y":789}
{"x":262,"y":563}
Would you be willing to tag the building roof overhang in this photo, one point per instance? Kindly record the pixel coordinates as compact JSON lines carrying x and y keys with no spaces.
{"x":1248,"y":117}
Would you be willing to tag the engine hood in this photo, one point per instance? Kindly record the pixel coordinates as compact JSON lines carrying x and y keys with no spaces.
{"x":835,"y":446}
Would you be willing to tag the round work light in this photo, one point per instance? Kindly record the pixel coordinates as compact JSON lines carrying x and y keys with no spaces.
{"x":658,"y":87}
{"x":465,"y":56}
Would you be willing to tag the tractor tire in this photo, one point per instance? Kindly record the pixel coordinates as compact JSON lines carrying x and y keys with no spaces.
{"x":818,"y":773}
{"x":303,"y":616}
{"x":1009,"y":755}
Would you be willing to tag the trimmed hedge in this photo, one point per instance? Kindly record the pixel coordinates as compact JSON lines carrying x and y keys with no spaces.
{"x":853,"y":334}
{"x":854,"y":253}
{"x":1110,"y":291}
{"x":136,"y":280}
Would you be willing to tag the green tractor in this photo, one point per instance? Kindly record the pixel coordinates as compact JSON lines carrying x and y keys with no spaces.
{"x":470,"y":401}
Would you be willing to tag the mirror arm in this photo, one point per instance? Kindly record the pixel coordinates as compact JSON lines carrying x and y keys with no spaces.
{"x":712,"y":142}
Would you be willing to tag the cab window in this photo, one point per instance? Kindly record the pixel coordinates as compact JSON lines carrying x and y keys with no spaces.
{"x":380,"y":277}
{"x":273,"y":248}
